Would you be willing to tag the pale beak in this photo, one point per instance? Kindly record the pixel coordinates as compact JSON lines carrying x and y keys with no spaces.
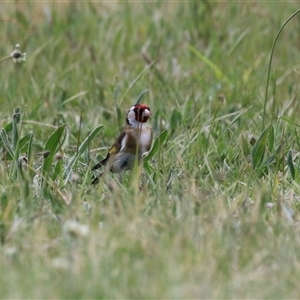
{"x":146,"y":113}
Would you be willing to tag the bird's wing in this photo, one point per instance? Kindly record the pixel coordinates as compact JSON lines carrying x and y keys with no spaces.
{"x":114,"y":149}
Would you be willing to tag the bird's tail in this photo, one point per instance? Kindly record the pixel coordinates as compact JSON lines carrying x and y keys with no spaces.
{"x":101,"y":163}
{"x":95,"y":178}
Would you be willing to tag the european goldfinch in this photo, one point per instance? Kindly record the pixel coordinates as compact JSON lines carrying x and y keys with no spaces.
{"x":134,"y":140}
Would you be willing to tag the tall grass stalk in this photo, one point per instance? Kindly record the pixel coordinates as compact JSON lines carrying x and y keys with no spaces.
{"x":270,"y":65}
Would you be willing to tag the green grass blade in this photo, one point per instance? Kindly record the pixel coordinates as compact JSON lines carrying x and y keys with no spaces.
{"x":258,"y":151}
{"x":270,"y":63}
{"x":289,"y":121}
{"x":159,"y":141}
{"x":140,"y":96}
{"x":217,"y":71}
{"x":235,"y":116}
{"x":133,"y":83}
{"x":81,"y":149}
{"x":74,"y":97}
{"x":238,"y":41}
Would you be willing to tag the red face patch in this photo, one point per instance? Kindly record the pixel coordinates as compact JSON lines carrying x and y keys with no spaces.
{"x":142,"y":112}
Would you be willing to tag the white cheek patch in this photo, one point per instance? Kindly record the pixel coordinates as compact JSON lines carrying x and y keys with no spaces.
{"x":131,"y":115}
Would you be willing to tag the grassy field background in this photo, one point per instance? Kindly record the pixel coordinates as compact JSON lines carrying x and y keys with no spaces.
{"x":218,"y":215}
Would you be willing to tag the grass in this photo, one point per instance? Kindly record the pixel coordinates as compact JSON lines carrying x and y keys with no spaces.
{"x":218,"y":215}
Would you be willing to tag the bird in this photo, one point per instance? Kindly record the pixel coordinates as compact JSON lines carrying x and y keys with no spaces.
{"x":132,"y":144}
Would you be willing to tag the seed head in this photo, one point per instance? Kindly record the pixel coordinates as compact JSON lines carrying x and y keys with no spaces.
{"x":17,"y":55}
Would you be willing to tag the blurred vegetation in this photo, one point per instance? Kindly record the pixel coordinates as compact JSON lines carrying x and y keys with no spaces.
{"x":218,"y":212}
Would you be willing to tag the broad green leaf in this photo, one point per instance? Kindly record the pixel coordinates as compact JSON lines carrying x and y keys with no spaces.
{"x":17,"y":118}
{"x":258,"y":150}
{"x":271,"y":139}
{"x":24,"y":140}
{"x":15,"y":145}
{"x":266,"y":163}
{"x":245,"y":145}
{"x":52,"y":145}
{"x":290,"y":164}
{"x":6,"y":144}
{"x":15,"y":134}
{"x":147,"y":167}
{"x":29,"y":152}
{"x":157,"y":144}
{"x":29,"y":146}
{"x":81,"y":149}
{"x":58,"y":169}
